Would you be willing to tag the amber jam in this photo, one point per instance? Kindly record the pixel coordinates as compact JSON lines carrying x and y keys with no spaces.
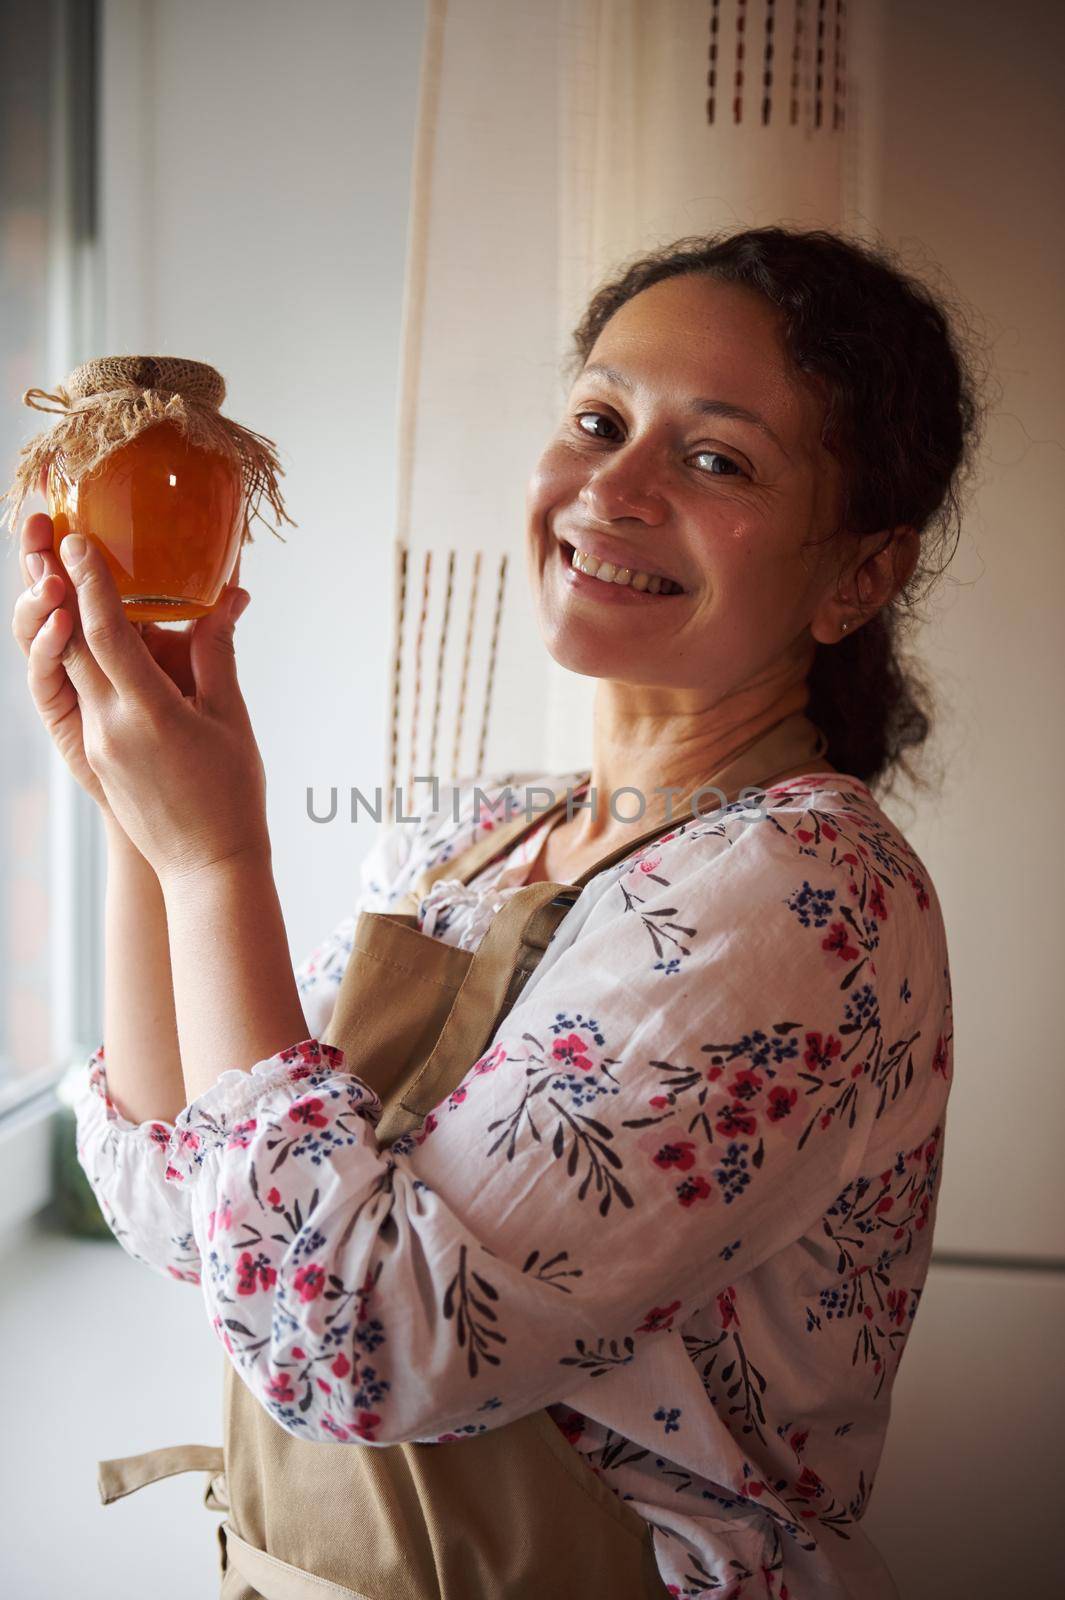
{"x":167,"y":517}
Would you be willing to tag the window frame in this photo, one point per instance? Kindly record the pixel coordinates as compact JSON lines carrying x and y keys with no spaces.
{"x":76,"y":864}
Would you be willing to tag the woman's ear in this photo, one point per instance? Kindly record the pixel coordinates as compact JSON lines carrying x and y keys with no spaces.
{"x":881,"y":564}
{"x":880,"y":575}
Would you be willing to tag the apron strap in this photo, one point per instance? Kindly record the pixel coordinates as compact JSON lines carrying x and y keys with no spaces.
{"x":272,"y":1579}
{"x":124,"y":1474}
{"x":515,"y":940}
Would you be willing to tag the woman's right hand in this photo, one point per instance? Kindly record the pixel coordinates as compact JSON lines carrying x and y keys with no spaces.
{"x":43,"y":624}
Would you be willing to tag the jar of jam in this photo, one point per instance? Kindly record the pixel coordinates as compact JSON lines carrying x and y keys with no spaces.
{"x":143,"y":463}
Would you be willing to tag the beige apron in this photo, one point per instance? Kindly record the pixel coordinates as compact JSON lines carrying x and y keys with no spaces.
{"x":515,"y":1510}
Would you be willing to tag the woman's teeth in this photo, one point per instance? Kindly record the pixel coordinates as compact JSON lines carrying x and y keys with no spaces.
{"x":607,"y":573}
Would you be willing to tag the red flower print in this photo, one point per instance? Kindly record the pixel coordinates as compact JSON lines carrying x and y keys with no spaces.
{"x":692,"y":1189}
{"x":364,"y":1427}
{"x":427,"y":1127}
{"x":922,"y":895}
{"x":897,"y":1301}
{"x":726,"y":1307}
{"x":159,"y":1135}
{"x":828,"y":832}
{"x":572,"y":1426}
{"x":648,"y":863}
{"x":309,"y":1282}
{"x":798,"y":1441}
{"x":341,"y":1366}
{"x":183,"y":1277}
{"x":838,"y":942}
{"x":222,"y":1218}
{"x":456,"y":1097}
{"x":781,"y":1102}
{"x":334,"y":1427}
{"x":279,"y":1388}
{"x":804,"y":834}
{"x":939,"y":1060}
{"x":254,"y":1272}
{"x":876,"y":902}
{"x":809,"y":1485}
{"x":308,"y":1111}
{"x":188,"y":1140}
{"x":172,"y":1175}
{"x":273,"y":1197}
{"x":821,"y":1050}
{"x":735,"y":1121}
{"x":240,"y":1135}
{"x":572,"y":1052}
{"x":659,"y":1318}
{"x":745,"y":1085}
{"x":490,"y":1062}
{"x":658,"y":1101}
{"x":680,"y":1155}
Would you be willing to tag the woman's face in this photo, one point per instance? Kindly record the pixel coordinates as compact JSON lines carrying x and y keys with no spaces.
{"x":646,"y":472}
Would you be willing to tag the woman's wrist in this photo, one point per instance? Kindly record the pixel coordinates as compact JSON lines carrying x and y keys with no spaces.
{"x":119,"y":843}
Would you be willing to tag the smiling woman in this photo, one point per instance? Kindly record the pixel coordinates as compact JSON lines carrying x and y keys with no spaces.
{"x":564,"y":1216}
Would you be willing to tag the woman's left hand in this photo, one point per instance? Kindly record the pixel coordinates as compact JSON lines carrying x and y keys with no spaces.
{"x":182,"y":773}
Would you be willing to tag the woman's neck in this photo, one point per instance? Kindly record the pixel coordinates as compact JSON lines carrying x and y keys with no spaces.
{"x":636,"y":748}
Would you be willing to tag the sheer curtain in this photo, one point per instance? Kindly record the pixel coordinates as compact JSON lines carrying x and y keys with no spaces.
{"x":555,"y":140}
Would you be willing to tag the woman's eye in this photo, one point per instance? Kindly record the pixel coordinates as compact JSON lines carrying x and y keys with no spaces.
{"x":717,"y":456}
{"x":596,"y":416}
{"x":731,"y":468}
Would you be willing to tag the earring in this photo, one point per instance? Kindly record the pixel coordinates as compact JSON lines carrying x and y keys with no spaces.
{"x":846,"y":625}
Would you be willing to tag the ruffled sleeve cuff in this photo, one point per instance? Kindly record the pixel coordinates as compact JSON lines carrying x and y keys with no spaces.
{"x":303,"y":1090}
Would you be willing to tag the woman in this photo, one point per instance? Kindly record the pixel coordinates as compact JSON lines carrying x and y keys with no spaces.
{"x":682,"y":1202}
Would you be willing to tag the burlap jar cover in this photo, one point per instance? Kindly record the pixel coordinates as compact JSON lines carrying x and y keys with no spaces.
{"x":105,"y":404}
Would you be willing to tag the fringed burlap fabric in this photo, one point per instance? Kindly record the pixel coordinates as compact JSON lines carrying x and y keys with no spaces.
{"x":105,"y":404}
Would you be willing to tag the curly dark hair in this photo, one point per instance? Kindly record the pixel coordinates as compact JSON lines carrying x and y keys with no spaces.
{"x":904,"y":381}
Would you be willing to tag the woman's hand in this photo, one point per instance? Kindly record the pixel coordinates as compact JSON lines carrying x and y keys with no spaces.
{"x":42,"y":632}
{"x":43,"y":625}
{"x":170,"y":745}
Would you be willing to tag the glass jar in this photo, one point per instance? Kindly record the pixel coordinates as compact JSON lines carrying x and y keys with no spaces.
{"x":167,"y":516}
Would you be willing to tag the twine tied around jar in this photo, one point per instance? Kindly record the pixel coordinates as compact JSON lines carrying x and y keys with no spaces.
{"x":105,"y":404}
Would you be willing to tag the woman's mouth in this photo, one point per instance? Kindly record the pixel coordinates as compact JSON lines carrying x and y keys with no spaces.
{"x":601,"y":580}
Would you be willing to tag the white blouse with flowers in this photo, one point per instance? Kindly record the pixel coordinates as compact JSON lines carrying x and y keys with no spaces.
{"x":684,"y":1200}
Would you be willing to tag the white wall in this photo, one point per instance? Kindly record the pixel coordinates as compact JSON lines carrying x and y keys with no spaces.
{"x":256,"y":172}
{"x":969,"y":154}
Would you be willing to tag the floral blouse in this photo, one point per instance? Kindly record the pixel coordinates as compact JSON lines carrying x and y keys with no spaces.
{"x":684,"y":1200}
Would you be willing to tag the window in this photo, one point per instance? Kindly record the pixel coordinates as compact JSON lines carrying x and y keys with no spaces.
{"x":50,"y":856}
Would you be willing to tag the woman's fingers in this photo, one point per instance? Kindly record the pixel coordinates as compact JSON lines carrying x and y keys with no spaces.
{"x":36,"y":548}
{"x":52,"y":691}
{"x":33,"y":608}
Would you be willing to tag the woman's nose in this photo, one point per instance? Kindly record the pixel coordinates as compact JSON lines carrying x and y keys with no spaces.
{"x":622,"y":485}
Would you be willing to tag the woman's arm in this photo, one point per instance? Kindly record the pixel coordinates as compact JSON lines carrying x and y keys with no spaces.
{"x":235,"y":994}
{"x":138,"y":990}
